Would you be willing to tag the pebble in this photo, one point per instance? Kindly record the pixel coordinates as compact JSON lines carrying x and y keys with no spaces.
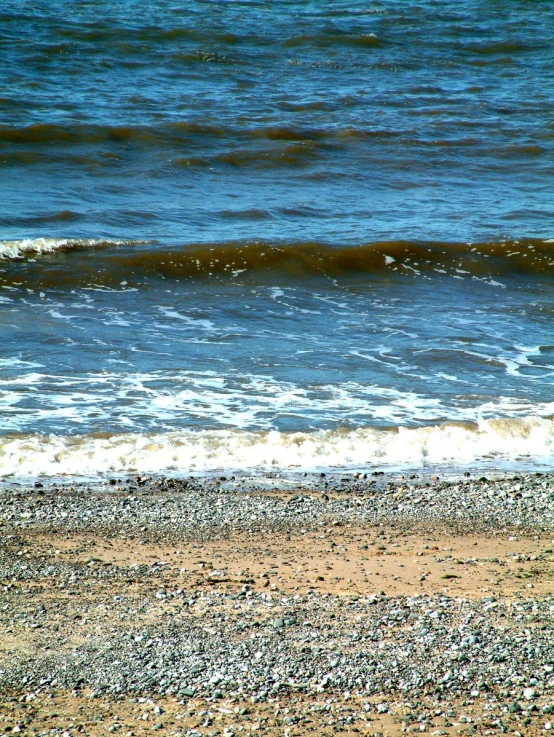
{"x":173,"y":508}
{"x":393,"y":653}
{"x":224,"y":644}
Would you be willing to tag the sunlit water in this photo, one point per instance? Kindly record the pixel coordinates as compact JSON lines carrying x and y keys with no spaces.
{"x":247,"y":235}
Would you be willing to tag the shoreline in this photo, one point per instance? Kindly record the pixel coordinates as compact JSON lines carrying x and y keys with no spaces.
{"x":377,"y":605}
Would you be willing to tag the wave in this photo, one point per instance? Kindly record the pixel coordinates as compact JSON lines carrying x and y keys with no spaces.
{"x":30,"y":144}
{"x":51,"y":134}
{"x":321,"y":150}
{"x":19,"y":249}
{"x":492,"y":48}
{"x":184,"y":452}
{"x":145,"y":34}
{"x":491,"y":261}
{"x":203,"y":55}
{"x":48,"y":217}
{"x":152,"y":39}
{"x":181,"y":135}
{"x":325,"y":40}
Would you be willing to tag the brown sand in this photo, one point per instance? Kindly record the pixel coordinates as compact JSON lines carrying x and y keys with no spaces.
{"x":337,"y":560}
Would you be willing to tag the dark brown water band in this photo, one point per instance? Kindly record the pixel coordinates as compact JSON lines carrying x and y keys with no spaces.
{"x":78,"y":263}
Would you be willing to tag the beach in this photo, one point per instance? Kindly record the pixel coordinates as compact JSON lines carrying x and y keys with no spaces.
{"x":276,"y":368}
{"x":373,"y":604}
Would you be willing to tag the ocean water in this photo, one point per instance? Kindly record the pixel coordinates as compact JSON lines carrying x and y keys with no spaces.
{"x":241,"y":236}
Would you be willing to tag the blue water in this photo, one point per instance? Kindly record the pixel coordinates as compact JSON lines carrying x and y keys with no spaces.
{"x":282,"y":217}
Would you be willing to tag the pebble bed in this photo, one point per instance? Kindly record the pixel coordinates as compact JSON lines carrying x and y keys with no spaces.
{"x":202,"y":508}
{"x":255,"y":645}
{"x":259,"y":644}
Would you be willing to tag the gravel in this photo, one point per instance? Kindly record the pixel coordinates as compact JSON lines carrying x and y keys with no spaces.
{"x":206,"y":508}
{"x":255,"y":645}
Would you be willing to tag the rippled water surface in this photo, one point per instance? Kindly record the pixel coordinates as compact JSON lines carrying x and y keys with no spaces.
{"x":241,"y":234}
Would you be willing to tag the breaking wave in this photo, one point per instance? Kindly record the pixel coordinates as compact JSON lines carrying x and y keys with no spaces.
{"x":189,"y":451}
{"x":492,"y":261}
{"x":18,"y":249}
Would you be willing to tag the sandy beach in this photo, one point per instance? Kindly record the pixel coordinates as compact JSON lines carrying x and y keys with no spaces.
{"x":372,"y":605}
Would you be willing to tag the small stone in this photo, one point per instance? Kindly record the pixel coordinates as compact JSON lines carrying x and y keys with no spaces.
{"x":278,"y":623}
{"x":514,"y":708}
{"x":529,"y":694}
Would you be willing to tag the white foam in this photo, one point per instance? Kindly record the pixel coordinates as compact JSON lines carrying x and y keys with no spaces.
{"x":193,"y":321}
{"x":33,"y":246}
{"x":165,"y":401}
{"x":201,"y":451}
{"x":12,"y":362}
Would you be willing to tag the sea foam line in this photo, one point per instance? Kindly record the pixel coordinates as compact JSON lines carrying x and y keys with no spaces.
{"x":192,"y":451}
{"x":18,"y":249}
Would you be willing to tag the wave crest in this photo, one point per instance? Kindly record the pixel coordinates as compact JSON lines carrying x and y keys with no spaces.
{"x":494,"y":262}
{"x":191,"y":451}
{"x":18,"y":249}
